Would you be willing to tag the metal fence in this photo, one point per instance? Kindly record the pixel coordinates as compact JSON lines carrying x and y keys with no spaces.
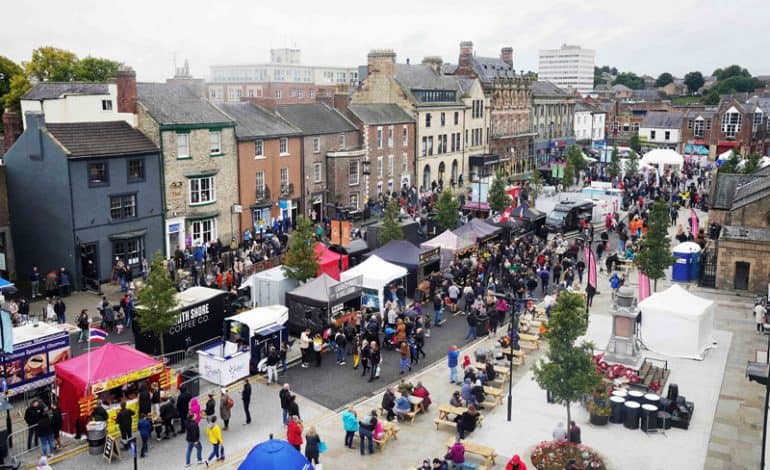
{"x":26,"y":440}
{"x":174,"y":357}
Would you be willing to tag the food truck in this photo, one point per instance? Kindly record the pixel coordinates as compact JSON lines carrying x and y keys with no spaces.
{"x":247,"y":337}
{"x":37,"y":348}
{"x":201,"y":313}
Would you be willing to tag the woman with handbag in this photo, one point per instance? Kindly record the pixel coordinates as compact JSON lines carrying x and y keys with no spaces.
{"x":312,"y":445}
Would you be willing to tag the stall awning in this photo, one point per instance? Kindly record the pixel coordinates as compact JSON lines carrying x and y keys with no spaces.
{"x":263,"y":318}
{"x":127,"y":235}
{"x":400,"y":252}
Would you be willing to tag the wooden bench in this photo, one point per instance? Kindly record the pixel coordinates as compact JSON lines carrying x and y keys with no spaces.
{"x":390,"y":431}
{"x":486,"y":453}
{"x":501,"y":371}
{"x":444,"y":410}
{"x":529,"y":341}
{"x":495,"y":393}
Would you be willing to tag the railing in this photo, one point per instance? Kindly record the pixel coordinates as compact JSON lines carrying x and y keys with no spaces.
{"x":27,"y":441}
{"x":287,"y":189}
{"x":190,"y":352}
{"x":263,"y":193}
{"x":174,"y":357}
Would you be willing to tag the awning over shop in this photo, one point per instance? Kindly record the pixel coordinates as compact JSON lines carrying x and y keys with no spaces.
{"x":127,"y":235}
{"x":696,"y":149}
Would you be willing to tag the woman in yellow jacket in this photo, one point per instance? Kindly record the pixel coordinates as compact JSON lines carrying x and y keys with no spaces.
{"x":214,"y":433}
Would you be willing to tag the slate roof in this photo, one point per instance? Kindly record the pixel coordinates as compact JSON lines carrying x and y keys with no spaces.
{"x":252,"y":121}
{"x":488,"y":68}
{"x":543,"y":88}
{"x":651,"y":94}
{"x":54,"y":90}
{"x":724,"y":189}
{"x":315,"y":119}
{"x":756,"y":189}
{"x":100,"y":139}
{"x":375,"y":114}
{"x":175,"y":104}
{"x":620,"y":87}
{"x":663,"y":120}
{"x":465,"y":85}
{"x":733,"y":232}
{"x":422,"y":77}
{"x":583,"y":107}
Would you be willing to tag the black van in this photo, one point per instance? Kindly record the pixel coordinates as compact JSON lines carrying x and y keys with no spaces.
{"x":566,"y":216}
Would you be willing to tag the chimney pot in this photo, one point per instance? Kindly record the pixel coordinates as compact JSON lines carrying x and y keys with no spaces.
{"x":126,"y":82}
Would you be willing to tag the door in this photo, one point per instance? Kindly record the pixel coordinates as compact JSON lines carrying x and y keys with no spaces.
{"x":742,"y":275}
{"x":89,"y":265}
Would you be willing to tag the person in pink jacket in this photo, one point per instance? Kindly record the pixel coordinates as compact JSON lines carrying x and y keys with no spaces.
{"x":195,"y":410}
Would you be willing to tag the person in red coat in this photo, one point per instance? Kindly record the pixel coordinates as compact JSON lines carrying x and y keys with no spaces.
{"x":516,"y":464}
{"x":422,"y":392}
{"x":294,"y":432}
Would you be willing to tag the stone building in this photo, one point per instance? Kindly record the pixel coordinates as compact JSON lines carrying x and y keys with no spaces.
{"x":200,"y":163}
{"x":509,"y":106}
{"x":269,"y":166}
{"x":332,"y":159}
{"x":554,"y":121}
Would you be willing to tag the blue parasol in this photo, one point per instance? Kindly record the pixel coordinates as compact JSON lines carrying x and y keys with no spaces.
{"x":275,"y":454}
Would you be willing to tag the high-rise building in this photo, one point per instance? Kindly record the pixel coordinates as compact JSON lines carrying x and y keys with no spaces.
{"x":568,"y":67}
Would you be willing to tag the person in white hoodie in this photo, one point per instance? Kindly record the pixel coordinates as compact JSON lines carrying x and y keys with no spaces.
{"x":304,"y":347}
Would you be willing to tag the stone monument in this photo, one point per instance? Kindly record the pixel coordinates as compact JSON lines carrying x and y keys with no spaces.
{"x":623,"y":345}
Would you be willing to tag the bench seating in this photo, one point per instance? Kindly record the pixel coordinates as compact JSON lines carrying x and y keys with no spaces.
{"x":488,"y":454}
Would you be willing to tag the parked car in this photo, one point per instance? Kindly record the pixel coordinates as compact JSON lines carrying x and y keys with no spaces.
{"x":566,"y":216}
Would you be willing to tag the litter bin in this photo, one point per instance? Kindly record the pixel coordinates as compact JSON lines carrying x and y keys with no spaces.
{"x":482,"y":327}
{"x":96,"y":432}
{"x":192,"y":382}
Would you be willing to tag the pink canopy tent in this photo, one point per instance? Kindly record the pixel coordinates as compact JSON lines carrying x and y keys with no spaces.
{"x":329,"y":261}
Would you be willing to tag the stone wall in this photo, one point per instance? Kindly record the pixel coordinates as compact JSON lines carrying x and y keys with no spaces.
{"x":756,"y":214}
{"x":756,"y":254}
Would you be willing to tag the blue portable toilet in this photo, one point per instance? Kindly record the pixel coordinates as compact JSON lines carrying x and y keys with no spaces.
{"x":687,"y":262}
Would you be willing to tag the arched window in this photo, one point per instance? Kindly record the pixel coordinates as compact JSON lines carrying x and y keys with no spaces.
{"x":426,"y":177}
{"x":454,"y":171}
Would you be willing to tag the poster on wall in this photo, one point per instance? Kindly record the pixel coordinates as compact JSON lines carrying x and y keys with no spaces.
{"x":370,"y":298}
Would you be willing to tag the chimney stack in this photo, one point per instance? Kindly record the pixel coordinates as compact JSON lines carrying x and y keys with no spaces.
{"x":126,"y":81}
{"x":434,"y":62}
{"x":506,"y":55}
{"x":11,"y":127}
{"x":464,"y":60}
{"x":381,"y":61}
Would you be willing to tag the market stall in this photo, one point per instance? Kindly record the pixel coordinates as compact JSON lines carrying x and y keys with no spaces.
{"x":109,"y":373}
{"x":201,"y":313}
{"x":518,"y":221}
{"x":355,"y":250}
{"x":330,"y":262}
{"x":376,"y":274}
{"x":247,"y":337}
{"x":450,"y":245}
{"x":318,"y":302}
{"x":419,"y":262}
{"x":677,"y":323}
{"x":268,"y":287}
{"x":478,"y":231}
{"x":37,"y":348}
{"x":663,"y":157}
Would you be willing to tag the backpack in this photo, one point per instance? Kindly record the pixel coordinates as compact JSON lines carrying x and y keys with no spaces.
{"x":229,"y":403}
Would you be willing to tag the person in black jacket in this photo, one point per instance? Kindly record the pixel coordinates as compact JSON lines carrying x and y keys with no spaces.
{"x":99,"y":413}
{"x":293,"y":407}
{"x":145,"y":405}
{"x":31,"y":417}
{"x":285,"y":397}
{"x":468,"y":421}
{"x":246,"y":397}
{"x":45,"y":431}
{"x":167,"y":414}
{"x":183,"y":407}
{"x":272,"y":365}
{"x":375,"y":358}
{"x":193,"y":438}
{"x":124,"y":423}
{"x":56,"y":423}
{"x":388,"y":403}
{"x":211,"y":406}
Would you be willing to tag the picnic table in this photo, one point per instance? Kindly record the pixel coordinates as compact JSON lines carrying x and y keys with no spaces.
{"x":501,"y":371}
{"x":495,"y":393}
{"x":444,"y":412}
{"x":486,"y":453}
{"x":529,"y":341}
{"x":418,"y":403}
{"x":390,"y":431}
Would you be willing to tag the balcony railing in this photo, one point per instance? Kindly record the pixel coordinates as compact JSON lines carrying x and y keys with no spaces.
{"x":263,"y":194}
{"x":287,"y":189}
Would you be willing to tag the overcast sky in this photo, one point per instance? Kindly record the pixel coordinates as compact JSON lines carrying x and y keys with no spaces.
{"x":647,"y":37}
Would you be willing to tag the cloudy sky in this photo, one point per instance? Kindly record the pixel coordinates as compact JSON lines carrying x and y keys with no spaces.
{"x":657,"y":36}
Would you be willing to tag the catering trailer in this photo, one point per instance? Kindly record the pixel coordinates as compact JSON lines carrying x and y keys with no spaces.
{"x":37,"y":348}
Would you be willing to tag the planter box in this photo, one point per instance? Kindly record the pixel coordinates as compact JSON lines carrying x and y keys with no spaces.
{"x":599,"y":420}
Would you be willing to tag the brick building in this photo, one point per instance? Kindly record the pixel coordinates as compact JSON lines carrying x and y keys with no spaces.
{"x":388,"y":134}
{"x":200,"y":163}
{"x":332,"y":158}
{"x":625,"y":118}
{"x":554,"y":121}
{"x":269,"y":166}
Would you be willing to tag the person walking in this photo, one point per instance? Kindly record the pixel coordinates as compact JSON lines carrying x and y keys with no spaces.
{"x":211,"y":406}
{"x":285,"y":396}
{"x":225,"y":408}
{"x":246,"y":398}
{"x":376,"y":358}
{"x":82,"y":322}
{"x":56,"y":423}
{"x":472,"y":320}
{"x":61,"y":311}
{"x":145,"y":431}
{"x":366,"y":353}
{"x":341,"y":343}
{"x":214,"y":433}
{"x":272,"y":365}
{"x":304,"y":347}
{"x":193,"y":438}
{"x":350,"y":424}
{"x":124,"y":424}
{"x":760,"y":315}
{"x":45,"y":431}
{"x":312,"y":444}
{"x":403,"y":351}
{"x":452,"y":357}
{"x":183,"y":407}
{"x":294,"y":432}
{"x":366,"y":427}
{"x":31,"y":416}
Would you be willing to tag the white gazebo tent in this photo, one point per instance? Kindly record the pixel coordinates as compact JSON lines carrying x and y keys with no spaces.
{"x":450,"y":243}
{"x":376,"y":275}
{"x":677,"y":323}
{"x":663,"y":157}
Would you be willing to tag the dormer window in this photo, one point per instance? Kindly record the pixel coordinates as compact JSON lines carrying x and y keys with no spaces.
{"x":731,"y":123}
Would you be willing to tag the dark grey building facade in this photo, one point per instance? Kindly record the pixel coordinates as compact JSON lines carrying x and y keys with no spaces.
{"x":81,"y":192}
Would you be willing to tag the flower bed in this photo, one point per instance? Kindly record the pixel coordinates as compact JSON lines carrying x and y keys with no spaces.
{"x":553,"y":455}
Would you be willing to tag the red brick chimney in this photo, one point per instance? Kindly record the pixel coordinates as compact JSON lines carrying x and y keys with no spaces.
{"x":126,"y":81}
{"x":11,"y":127}
{"x":506,"y":55}
{"x":464,"y":60}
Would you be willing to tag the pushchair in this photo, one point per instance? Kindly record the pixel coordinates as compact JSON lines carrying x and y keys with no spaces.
{"x":390,"y":335}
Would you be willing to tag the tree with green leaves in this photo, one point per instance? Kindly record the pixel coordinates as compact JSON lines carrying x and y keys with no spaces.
{"x":498,"y":199}
{"x":694,"y":81}
{"x":712,"y":98}
{"x":632,"y":164}
{"x":629,"y":79}
{"x":301,"y":259}
{"x":635,"y":143}
{"x":96,"y":69}
{"x":391,"y":227}
{"x":18,"y":86}
{"x":567,"y":371}
{"x":8,"y":70}
{"x":750,"y":166}
{"x":664,"y":79}
{"x":655,"y":250}
{"x":575,"y":163}
{"x":447,"y":208}
{"x":535,"y":185}
{"x":731,"y":71}
{"x":157,"y":301}
{"x":52,"y":64}
{"x":613,"y":167}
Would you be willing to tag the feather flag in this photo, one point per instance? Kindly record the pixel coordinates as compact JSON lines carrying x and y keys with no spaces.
{"x":694,"y":223}
{"x":644,"y":286}
{"x":591,"y":266}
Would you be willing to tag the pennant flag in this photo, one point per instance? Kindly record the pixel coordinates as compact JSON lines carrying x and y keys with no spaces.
{"x":97,"y":335}
{"x":591,"y":265}
{"x":644,"y":286}
{"x":694,"y":223}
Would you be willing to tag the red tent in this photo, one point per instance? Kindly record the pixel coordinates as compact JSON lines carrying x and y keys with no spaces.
{"x":109,"y":366}
{"x":329,"y":261}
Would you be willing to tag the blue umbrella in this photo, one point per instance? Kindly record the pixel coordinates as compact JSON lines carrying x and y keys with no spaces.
{"x":275,"y":454}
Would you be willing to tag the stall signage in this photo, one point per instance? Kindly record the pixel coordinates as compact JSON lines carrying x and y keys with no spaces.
{"x":337,"y":308}
{"x":134,"y":376}
{"x":345,"y":289}
{"x":32,"y":363}
{"x":336,"y":232}
{"x":430,"y":256}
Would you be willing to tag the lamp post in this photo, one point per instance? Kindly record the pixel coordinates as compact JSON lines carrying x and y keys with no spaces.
{"x":514,"y":327}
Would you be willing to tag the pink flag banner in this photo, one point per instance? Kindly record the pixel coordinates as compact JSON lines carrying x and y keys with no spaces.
{"x":591,"y":265}
{"x":644,"y":286}
{"x":694,"y":222}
